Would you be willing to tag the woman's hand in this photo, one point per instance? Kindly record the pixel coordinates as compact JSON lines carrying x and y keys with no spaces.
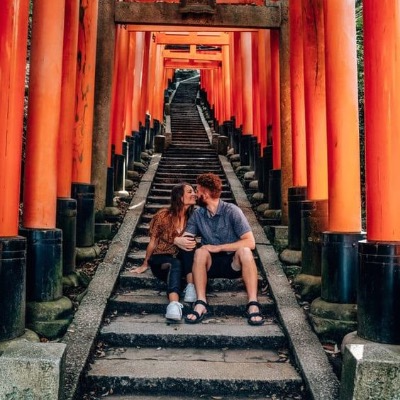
{"x":140,"y":269}
{"x":186,"y":243}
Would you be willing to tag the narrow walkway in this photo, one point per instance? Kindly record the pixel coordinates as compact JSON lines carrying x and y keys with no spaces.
{"x":141,"y":356}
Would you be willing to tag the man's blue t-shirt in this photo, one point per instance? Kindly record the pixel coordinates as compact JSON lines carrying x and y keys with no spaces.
{"x":226,"y":226}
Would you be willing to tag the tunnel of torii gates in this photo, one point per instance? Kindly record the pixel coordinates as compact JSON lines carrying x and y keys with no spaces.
{"x":281,"y":83}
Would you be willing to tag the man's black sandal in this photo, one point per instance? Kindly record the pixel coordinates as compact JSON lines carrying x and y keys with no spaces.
{"x":252,"y":315}
{"x":199,"y":317}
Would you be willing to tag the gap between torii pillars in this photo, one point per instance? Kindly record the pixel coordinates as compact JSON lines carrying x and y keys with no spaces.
{"x":314,"y":210}
{"x":82,"y":189}
{"x":334,"y":314}
{"x":44,"y":256}
{"x":379,"y":271}
{"x":13,"y":47}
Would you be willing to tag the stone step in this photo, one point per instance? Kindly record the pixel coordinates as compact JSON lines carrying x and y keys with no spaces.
{"x":152,"y":301}
{"x":188,"y":170}
{"x":165,"y":200}
{"x":217,"y":332}
{"x":194,"y":372}
{"x":166,"y":192}
{"x":190,"y":163}
{"x":169,"y":186}
{"x":130,"y":280}
{"x":183,"y":397}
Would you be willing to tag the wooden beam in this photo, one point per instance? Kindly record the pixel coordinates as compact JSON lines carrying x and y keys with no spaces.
{"x":192,"y":56}
{"x":176,"y":28}
{"x":212,"y":39}
{"x":226,"y":16}
{"x":191,"y":64}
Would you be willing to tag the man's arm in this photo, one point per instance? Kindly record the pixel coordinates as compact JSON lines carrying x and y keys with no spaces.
{"x":246,"y":240}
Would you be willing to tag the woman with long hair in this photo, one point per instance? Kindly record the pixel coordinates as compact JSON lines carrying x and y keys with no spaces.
{"x":166,"y":260}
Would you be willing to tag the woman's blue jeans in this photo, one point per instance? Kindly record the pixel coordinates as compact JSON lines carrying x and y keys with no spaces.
{"x":172,"y":274}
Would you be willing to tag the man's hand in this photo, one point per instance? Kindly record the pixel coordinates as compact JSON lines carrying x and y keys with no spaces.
{"x":212,"y":248}
{"x":186,"y":243}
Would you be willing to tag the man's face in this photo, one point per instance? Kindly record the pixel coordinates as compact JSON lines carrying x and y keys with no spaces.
{"x":203,"y":195}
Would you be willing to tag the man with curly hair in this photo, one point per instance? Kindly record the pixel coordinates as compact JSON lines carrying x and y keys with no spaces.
{"x":226,"y":248}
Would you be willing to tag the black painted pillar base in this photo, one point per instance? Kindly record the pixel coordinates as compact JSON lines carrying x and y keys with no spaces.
{"x":66,"y":221}
{"x":296,"y":195}
{"x":110,"y":187}
{"x":244,"y":151}
{"x":314,"y":221}
{"x":119,"y":175}
{"x":266,"y":167}
{"x":84,"y":195}
{"x":378,"y":291}
{"x":335,"y":314}
{"x":44,"y":263}
{"x":274,"y":192}
{"x":339,"y":266}
{"x":12,"y":287}
{"x":48,"y":313}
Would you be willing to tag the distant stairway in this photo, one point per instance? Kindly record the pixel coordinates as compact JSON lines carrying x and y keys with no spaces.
{"x":141,"y":355}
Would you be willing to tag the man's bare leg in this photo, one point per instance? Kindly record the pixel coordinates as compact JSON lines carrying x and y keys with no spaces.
{"x":201,"y":264}
{"x":250,"y":277}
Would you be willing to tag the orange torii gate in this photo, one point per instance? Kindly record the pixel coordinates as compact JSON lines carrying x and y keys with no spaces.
{"x":309,"y":102}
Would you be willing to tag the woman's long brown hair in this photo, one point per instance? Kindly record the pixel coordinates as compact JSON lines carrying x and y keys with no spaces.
{"x":176,"y":206}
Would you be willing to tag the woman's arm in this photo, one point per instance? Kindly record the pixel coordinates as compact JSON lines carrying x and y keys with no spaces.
{"x":149,"y":251}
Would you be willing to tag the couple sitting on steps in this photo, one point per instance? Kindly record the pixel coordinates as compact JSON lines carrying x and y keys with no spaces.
{"x":225,"y":252}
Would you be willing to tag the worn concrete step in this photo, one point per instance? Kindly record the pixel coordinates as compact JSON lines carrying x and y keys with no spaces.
{"x":152,"y":301}
{"x":195,"y":134}
{"x":204,"y":397}
{"x":166,"y":192}
{"x":130,"y":281}
{"x":194,"y":164}
{"x":175,"y":151}
{"x":218,"y":332}
{"x":169,"y":186}
{"x":194,"y":169}
{"x":165,"y":200}
{"x":194,"y":372}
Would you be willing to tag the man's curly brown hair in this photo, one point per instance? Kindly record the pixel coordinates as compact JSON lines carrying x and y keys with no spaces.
{"x":211,"y":182}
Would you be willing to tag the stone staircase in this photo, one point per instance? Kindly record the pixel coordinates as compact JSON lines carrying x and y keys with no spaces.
{"x":140,"y":355}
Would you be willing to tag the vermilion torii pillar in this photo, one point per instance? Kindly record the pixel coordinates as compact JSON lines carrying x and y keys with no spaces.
{"x":339,"y":244}
{"x":66,"y":206}
{"x":247,"y":80}
{"x":274,"y":192}
{"x":238,"y":74}
{"x":379,"y":271}
{"x":298,"y":192}
{"x":314,"y":211}
{"x":44,"y":257}
{"x":82,"y":189}
{"x":13,"y":46}
{"x":119,"y":102}
{"x":137,"y":80}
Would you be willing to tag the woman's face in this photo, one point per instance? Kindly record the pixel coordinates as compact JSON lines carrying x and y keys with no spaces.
{"x":189,"y":196}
